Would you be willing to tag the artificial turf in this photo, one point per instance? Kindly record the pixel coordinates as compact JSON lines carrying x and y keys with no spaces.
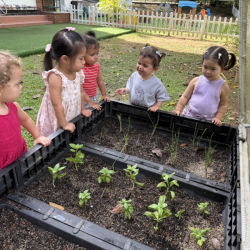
{"x":25,"y":41}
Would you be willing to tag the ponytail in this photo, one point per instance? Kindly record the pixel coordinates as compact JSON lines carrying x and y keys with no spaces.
{"x":231,"y":62}
{"x":48,"y":62}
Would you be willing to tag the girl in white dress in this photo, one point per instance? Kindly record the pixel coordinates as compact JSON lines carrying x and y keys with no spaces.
{"x":64,"y":97}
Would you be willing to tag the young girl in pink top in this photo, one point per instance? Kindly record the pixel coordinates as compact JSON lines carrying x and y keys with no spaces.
{"x":92,"y":70}
{"x":64,"y":98}
{"x":208,"y":94}
{"x":12,"y":145}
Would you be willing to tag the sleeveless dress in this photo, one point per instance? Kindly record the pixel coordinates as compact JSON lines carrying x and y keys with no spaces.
{"x":71,"y":101}
{"x":205,"y":99}
{"x":12,"y":145}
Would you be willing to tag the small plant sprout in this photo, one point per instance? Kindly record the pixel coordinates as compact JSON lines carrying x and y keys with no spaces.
{"x":197,"y":233}
{"x":160,"y":211}
{"x":106,"y":175}
{"x":203,"y":207}
{"x":126,"y":137}
{"x":79,"y":156}
{"x":168,"y":184}
{"x":120,"y":120}
{"x":154,"y":124}
{"x":208,"y":155}
{"x":196,"y":140}
{"x":132,"y":171}
{"x":84,"y":197}
{"x":179,"y":214}
{"x":127,"y":208}
{"x":173,"y":148}
{"x":54,"y":171}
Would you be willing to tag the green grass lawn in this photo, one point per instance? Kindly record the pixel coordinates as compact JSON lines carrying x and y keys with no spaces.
{"x":118,"y":58}
{"x":25,"y":41}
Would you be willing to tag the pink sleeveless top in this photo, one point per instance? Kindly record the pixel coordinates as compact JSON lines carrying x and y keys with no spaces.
{"x":12,"y":145}
{"x":205,"y":99}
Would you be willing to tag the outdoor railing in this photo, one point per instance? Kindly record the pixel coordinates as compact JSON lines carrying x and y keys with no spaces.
{"x":159,"y":23}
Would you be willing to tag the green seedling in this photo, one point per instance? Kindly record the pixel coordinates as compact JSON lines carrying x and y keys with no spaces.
{"x":54,"y":171}
{"x":79,"y":156}
{"x":168,"y":184}
{"x":84,"y":197}
{"x":173,"y":148}
{"x":132,"y":171}
{"x":106,"y":175}
{"x":208,"y":155}
{"x":203,"y":207}
{"x":160,"y":213}
{"x":127,"y":208}
{"x":196,"y":140}
{"x":197,"y":233}
{"x":120,"y":120}
{"x":126,"y":138}
{"x":179,"y":214}
{"x":154,"y":124}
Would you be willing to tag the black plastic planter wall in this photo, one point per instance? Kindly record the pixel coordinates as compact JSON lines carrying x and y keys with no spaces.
{"x":34,"y":163}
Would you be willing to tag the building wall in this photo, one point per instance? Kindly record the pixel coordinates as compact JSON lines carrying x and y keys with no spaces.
{"x":21,"y":2}
{"x":57,"y":17}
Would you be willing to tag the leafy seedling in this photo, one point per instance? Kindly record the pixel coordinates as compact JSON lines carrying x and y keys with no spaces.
{"x":154,"y":124}
{"x":79,"y":156}
{"x":84,"y":197}
{"x":54,"y":171}
{"x":197,"y":233}
{"x":127,"y":208}
{"x":196,"y":140}
{"x":106,"y":175}
{"x":168,"y":184}
{"x":203,"y":207}
{"x":160,"y":213}
{"x":126,"y":138}
{"x":120,"y":120}
{"x":208,"y":155}
{"x":179,"y":214}
{"x":132,"y":171}
{"x":173,"y":147}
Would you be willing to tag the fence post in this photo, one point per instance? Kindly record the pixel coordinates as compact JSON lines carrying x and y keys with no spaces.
{"x":203,"y":26}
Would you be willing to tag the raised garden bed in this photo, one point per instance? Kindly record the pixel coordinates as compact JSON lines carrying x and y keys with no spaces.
{"x":33,"y":164}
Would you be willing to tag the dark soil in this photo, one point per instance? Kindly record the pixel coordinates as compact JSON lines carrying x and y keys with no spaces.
{"x":140,"y":145}
{"x":19,"y":234}
{"x":140,"y":228}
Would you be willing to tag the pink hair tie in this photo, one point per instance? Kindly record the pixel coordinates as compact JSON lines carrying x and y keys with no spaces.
{"x":48,"y":47}
{"x":70,"y":28}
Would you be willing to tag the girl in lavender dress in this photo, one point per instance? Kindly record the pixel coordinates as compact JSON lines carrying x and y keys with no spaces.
{"x":208,"y":94}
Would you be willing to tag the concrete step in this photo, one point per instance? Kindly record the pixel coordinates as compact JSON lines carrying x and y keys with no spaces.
{"x":24,"y":24}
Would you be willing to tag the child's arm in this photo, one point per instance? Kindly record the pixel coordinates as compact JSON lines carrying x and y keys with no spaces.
{"x":223,"y":105}
{"x":122,"y":91}
{"x":30,"y":126}
{"x":102,"y":88}
{"x":85,"y":112}
{"x":186,"y":96}
{"x":155,"y":107}
{"x":55,"y":89}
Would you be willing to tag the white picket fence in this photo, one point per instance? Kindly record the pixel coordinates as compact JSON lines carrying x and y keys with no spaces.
{"x":153,"y":22}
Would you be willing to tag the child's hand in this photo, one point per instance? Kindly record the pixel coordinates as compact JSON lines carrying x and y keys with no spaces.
{"x":153,"y":108}
{"x":122,"y":91}
{"x":69,"y":127}
{"x":217,"y":122}
{"x":176,"y":112}
{"x":86,"y":112}
{"x":105,"y":98}
{"x":94,"y":105}
{"x":42,"y":140}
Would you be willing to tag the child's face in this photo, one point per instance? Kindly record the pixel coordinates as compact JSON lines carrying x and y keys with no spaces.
{"x":91,"y":56}
{"x":211,"y":70}
{"x":79,"y":61}
{"x":145,"y":67}
{"x":11,"y":91}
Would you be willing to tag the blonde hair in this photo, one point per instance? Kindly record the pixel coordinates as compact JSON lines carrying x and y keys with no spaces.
{"x":7,"y":62}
